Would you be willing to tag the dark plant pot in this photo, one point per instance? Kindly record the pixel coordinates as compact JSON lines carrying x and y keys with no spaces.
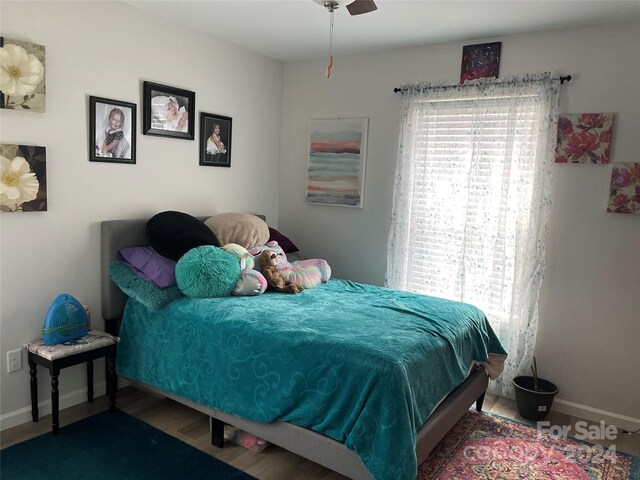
{"x":532,"y":404}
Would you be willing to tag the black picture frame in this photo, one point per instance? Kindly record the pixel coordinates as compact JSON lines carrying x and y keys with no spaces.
{"x":210,"y":153}
{"x":119,"y":148}
{"x":1,"y":94}
{"x":158,"y":103}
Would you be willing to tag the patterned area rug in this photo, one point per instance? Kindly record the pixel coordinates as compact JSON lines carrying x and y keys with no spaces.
{"x":483,"y":446}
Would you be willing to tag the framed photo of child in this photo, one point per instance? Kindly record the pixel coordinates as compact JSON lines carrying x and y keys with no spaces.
{"x":168,"y":111}
{"x":215,"y":140}
{"x":112,"y":131}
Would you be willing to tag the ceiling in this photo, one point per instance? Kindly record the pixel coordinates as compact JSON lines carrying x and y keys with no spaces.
{"x":293,"y":30}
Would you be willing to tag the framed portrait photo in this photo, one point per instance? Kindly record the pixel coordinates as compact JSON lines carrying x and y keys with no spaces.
{"x":112,"y":131}
{"x":168,"y":111}
{"x":215,"y":140}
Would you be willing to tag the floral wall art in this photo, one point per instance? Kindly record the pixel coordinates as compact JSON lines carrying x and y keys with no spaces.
{"x":23,"y":178}
{"x":584,"y":138}
{"x":625,"y":189}
{"x":22,"y":75}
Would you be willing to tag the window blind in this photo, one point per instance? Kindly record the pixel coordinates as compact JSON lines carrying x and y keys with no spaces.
{"x":472,"y":177}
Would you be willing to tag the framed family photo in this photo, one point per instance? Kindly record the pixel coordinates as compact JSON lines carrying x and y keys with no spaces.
{"x":112,"y":131}
{"x":168,"y":111}
{"x":215,"y":140}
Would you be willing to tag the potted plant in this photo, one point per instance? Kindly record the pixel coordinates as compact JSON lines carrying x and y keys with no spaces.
{"x":534,"y":395}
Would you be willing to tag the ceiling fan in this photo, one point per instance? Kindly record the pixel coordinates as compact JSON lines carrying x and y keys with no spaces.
{"x":355,"y":7}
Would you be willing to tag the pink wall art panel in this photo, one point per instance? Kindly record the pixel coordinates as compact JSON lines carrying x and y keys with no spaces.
{"x":584,"y":137}
{"x":625,"y":189}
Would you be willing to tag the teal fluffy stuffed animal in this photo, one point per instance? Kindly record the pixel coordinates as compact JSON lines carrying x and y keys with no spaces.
{"x":207,"y":272}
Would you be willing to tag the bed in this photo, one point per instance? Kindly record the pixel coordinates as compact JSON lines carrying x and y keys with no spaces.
{"x":276,"y":366}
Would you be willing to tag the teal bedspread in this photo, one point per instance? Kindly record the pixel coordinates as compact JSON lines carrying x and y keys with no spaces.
{"x":364,"y":365}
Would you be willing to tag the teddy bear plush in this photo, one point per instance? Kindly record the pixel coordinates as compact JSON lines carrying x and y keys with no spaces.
{"x":275,"y":280}
{"x":274,"y":247}
{"x":304,"y":273}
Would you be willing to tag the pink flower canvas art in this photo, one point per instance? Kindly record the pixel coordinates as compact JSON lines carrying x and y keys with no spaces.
{"x":625,"y":189}
{"x":584,"y":137}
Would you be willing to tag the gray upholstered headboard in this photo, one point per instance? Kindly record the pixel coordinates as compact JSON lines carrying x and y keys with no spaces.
{"x":117,"y":234}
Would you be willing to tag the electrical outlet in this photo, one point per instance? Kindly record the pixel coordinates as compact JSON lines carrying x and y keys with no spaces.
{"x":14,"y":360}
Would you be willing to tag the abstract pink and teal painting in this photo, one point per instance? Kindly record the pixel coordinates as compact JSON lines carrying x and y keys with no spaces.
{"x":337,"y":157}
{"x":625,"y":189}
{"x":584,"y":137}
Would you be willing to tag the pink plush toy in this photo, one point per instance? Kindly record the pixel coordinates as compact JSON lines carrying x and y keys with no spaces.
{"x":306,"y":273}
{"x":251,"y":282}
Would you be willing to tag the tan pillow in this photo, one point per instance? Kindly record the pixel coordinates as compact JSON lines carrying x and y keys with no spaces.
{"x":242,"y":228}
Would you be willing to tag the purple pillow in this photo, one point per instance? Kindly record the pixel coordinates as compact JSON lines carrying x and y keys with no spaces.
{"x":287,"y":245}
{"x":150,"y":265}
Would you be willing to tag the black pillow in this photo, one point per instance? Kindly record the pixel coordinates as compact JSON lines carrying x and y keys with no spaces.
{"x":173,"y":234}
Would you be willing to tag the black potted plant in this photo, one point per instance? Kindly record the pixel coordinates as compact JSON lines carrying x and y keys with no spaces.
{"x":534,"y":395}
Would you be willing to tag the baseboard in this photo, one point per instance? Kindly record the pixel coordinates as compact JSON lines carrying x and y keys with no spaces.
{"x":622,"y":422}
{"x":23,"y":415}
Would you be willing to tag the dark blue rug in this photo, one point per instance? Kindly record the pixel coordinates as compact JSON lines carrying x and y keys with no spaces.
{"x":111,"y":446}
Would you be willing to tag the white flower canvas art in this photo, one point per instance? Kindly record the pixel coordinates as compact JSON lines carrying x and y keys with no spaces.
{"x":23,"y":178}
{"x":22,"y":76}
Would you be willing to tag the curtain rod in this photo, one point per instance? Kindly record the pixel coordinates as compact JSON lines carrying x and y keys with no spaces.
{"x":566,"y":78}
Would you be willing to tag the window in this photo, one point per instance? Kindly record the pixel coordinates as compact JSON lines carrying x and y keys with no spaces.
{"x":472,"y":197}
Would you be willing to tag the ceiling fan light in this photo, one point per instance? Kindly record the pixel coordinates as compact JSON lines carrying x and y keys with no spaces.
{"x":331,"y":5}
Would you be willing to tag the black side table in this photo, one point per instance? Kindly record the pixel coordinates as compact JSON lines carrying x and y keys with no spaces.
{"x":95,"y":344}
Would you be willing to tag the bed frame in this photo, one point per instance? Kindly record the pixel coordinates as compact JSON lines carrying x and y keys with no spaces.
{"x":116,"y":234}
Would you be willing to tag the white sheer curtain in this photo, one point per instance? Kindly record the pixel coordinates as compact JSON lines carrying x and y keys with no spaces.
{"x":471,"y":201}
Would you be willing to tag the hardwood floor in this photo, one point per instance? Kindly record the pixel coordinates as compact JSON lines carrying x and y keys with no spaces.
{"x":273,"y":463}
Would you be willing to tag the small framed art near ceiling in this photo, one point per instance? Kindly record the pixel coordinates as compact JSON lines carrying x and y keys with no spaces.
{"x":480,"y":61}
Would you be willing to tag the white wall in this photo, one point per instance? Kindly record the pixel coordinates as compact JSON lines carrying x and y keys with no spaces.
{"x":107,"y":49}
{"x":590,"y":306}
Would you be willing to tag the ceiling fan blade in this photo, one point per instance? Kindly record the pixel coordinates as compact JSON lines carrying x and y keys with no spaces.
{"x":358,"y":7}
